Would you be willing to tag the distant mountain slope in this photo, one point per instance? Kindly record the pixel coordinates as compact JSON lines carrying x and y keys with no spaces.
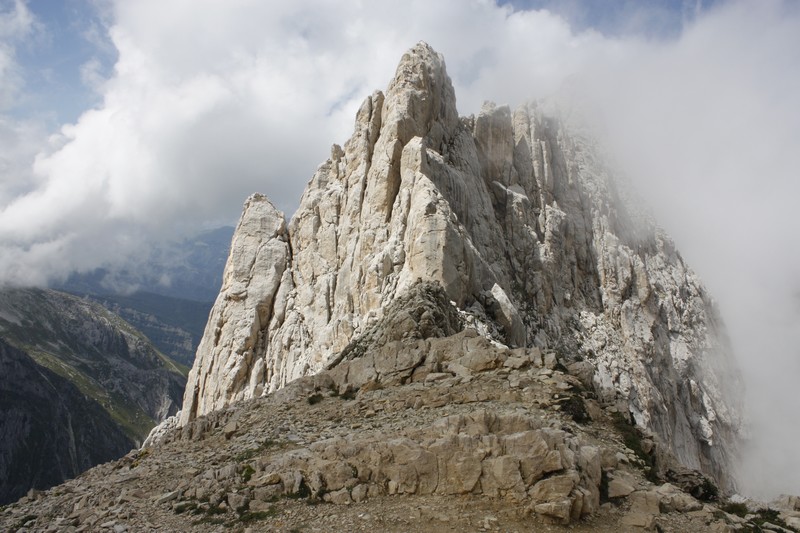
{"x":49,"y":430}
{"x":169,"y":297}
{"x":106,"y":358}
{"x":173,"y":325}
{"x":78,"y":386}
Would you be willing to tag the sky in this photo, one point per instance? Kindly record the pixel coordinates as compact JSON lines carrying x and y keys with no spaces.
{"x":124,"y":124}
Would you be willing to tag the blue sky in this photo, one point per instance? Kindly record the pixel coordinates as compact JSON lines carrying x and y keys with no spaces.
{"x":125,"y":123}
{"x":68,"y":36}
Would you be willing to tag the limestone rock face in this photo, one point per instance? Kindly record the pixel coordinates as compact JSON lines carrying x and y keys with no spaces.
{"x":518,"y":219}
{"x":227,"y":367}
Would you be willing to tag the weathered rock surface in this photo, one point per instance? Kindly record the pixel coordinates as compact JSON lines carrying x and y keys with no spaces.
{"x":421,"y":448}
{"x":228,"y":367}
{"x":519,"y":220}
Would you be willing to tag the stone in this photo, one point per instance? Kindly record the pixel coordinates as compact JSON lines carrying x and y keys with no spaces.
{"x":338,"y":497}
{"x":501,"y":476}
{"x":792,"y":521}
{"x":720,"y":526}
{"x":291,"y":482}
{"x":644,"y":521}
{"x":168,"y":497}
{"x":645,"y":502}
{"x":259,"y":506}
{"x":230,"y":429}
{"x":237,"y":502}
{"x":478,"y":361}
{"x":268,"y":493}
{"x":673,"y":499}
{"x":553,"y":489}
{"x":619,"y":488}
{"x":516,"y":362}
{"x":509,"y":318}
{"x":559,"y":510}
{"x":786,"y":502}
{"x":359,"y":493}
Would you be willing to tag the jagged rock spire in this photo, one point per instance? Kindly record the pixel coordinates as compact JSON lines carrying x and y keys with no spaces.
{"x":518,"y":220}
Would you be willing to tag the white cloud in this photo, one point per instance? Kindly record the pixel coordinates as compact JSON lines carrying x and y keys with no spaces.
{"x":210,"y":101}
{"x":708,"y":127}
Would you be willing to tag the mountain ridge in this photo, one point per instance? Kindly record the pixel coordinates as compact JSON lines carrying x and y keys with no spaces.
{"x":80,"y":387}
{"x":522,"y":224}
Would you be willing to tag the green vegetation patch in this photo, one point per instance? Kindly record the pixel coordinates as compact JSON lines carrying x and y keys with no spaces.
{"x":247,"y":473}
{"x":739,"y":509}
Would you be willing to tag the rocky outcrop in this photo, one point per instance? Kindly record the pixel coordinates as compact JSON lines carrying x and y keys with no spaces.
{"x":228,"y":367}
{"x":518,"y":219}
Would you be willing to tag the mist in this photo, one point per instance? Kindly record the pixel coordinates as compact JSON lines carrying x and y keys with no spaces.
{"x":207,"y":103}
{"x":708,"y":129}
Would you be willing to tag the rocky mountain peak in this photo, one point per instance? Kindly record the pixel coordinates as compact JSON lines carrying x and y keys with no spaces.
{"x":420,"y":100}
{"x":519,"y":222}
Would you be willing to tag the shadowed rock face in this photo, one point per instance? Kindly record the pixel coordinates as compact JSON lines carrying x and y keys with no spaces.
{"x":49,"y":430}
{"x":519,"y":221}
{"x":78,"y":386}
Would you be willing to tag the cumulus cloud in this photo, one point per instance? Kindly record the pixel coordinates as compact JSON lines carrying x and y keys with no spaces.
{"x":211,"y":101}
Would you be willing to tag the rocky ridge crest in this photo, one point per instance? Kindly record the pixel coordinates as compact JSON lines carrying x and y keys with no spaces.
{"x":405,"y":433}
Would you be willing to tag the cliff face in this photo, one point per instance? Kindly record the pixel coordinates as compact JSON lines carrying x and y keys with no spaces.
{"x":49,"y":431}
{"x":519,"y":220}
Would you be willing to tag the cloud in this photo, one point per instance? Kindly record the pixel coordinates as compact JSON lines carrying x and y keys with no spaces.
{"x":16,"y":23}
{"x":708,"y":127}
{"x":211,"y":101}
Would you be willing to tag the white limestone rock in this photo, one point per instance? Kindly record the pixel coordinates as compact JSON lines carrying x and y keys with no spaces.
{"x":519,"y":220}
{"x":228,"y":366}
